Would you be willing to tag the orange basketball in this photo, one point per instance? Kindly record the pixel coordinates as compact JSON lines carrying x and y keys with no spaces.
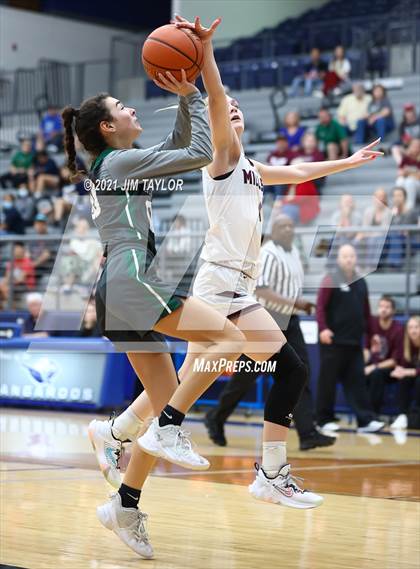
{"x":169,"y":48}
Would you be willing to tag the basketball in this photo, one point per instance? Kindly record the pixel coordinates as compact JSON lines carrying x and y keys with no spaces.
{"x":169,"y":48}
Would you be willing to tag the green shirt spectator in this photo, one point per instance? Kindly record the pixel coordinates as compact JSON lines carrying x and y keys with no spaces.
{"x":332,"y":132}
{"x":332,"y":136}
{"x":22,"y":160}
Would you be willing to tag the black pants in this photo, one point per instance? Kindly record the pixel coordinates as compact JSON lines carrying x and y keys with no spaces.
{"x":408,"y":394}
{"x":377,"y":381}
{"x":242,"y":381}
{"x":10,"y":180}
{"x":344,"y":363}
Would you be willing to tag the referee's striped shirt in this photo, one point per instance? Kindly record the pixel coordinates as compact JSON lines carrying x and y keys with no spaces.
{"x":282,"y":272}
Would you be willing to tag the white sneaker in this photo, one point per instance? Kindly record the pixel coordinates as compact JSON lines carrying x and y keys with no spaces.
{"x":330,"y":427}
{"x":400,"y":436}
{"x":107,"y":450}
{"x":371,"y":438}
{"x":282,"y":489}
{"x":372,"y":427}
{"x":128,"y":524}
{"x":173,"y":444}
{"x":401,"y":422}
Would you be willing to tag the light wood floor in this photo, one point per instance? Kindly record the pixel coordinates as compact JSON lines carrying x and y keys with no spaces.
{"x":50,"y":487}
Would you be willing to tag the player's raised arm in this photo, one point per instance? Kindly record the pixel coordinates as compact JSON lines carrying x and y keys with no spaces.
{"x":224,"y":138}
{"x":150,"y":163}
{"x":312,"y":170}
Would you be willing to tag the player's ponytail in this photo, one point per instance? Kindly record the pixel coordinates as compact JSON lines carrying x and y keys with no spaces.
{"x":69,"y":114}
{"x":85,"y":122}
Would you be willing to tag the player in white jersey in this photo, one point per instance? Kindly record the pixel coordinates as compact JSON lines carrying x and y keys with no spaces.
{"x":233,"y":192}
{"x":226,"y":279}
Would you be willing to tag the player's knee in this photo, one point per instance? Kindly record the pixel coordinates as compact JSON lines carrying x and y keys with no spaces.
{"x":290,"y":367}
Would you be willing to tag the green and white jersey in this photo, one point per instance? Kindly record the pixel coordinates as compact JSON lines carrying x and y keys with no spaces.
{"x":120,"y":194}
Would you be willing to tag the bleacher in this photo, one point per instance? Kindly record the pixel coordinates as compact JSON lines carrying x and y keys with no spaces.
{"x":274,"y":56}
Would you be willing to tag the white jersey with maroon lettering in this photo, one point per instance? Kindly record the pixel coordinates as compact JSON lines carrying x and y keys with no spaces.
{"x":234,"y":208}
{"x":227,"y":278}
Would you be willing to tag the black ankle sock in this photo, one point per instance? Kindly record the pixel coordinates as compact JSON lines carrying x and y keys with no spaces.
{"x":129,"y":496}
{"x":171,"y":416}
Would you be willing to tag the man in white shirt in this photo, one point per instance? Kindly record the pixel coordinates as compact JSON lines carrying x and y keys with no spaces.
{"x":353,"y":107}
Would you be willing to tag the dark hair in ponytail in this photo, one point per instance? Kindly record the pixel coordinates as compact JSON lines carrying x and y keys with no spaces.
{"x":86,"y":125}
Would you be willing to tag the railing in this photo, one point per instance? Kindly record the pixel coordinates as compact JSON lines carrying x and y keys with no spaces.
{"x":391,"y":264}
{"x":26,"y":93}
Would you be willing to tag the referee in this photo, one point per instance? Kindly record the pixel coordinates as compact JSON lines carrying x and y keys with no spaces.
{"x":278,"y":290}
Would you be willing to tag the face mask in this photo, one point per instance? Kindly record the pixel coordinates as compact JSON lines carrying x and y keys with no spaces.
{"x":23,"y":192}
{"x":7,"y":205}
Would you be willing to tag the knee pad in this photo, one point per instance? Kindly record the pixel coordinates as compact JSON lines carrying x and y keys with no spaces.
{"x":290,"y":377}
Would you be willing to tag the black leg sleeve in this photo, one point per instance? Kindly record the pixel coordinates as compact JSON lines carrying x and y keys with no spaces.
{"x":290,"y":377}
{"x":303,"y":413}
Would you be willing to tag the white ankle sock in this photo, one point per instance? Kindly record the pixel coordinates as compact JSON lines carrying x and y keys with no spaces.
{"x":274,"y":457}
{"x":126,"y":425}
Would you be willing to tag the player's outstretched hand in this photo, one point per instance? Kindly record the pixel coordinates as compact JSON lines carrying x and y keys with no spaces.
{"x":205,"y":34}
{"x":168,"y":82}
{"x":365,"y":154}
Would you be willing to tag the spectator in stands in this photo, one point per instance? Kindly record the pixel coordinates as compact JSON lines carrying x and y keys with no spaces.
{"x":19,"y":166}
{"x":401,"y":214}
{"x":346,"y":216}
{"x":280,"y":156}
{"x":51,"y":132}
{"x":337,"y":77}
{"x":179,"y":242}
{"x":396,"y":241}
{"x":26,"y":205}
{"x":409,"y":127}
{"x":409,"y":173}
{"x":33,"y":304}
{"x":41,"y":250}
{"x":353,"y":107}
{"x":44,"y":174}
{"x":370,"y":244}
{"x":343,"y":316}
{"x":44,"y":205}
{"x":89,"y":328}
{"x":313,"y":76}
{"x":380,"y":119}
{"x":21,"y":270}
{"x":81,"y":264}
{"x":407,"y":373}
{"x":309,"y":152}
{"x":72,"y":189}
{"x":12,"y":222}
{"x":383,"y":345}
{"x":278,"y":289}
{"x":292,"y":130}
{"x":331,"y":136}
{"x":300,"y":202}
